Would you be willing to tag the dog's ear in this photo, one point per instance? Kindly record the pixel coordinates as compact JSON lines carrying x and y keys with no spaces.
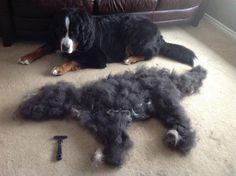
{"x":59,"y":16}
{"x":55,"y":24}
{"x":82,"y":10}
{"x":82,"y":15}
{"x":85,"y":29}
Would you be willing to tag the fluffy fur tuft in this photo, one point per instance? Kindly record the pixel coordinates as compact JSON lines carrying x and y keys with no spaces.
{"x":107,"y":107}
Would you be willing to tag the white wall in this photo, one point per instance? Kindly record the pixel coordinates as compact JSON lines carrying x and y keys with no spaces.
{"x":223,"y":11}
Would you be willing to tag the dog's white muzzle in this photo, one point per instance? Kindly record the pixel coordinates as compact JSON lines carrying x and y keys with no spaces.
{"x":67,"y":45}
{"x":66,"y":42}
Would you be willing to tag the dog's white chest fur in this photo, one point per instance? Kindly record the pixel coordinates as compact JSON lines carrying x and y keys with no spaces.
{"x":67,"y":41}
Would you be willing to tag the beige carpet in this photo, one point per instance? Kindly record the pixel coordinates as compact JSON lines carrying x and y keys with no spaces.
{"x":26,"y":148}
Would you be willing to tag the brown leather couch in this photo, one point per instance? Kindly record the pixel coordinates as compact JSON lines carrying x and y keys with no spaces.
{"x":29,"y":19}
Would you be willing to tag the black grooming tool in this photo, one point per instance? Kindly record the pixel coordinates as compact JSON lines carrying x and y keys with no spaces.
{"x":59,"y":147}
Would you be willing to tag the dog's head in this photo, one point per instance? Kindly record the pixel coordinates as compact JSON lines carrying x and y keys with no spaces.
{"x":74,"y":29}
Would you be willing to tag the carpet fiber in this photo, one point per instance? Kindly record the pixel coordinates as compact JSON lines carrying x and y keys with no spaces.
{"x":26,"y":148}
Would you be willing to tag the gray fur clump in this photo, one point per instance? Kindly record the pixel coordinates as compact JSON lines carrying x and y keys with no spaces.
{"x":109,"y":105}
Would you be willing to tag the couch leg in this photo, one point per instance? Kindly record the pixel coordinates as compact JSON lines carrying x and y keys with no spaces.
{"x":200,"y":13}
{"x":195,"y":22}
{"x":7,"y":41}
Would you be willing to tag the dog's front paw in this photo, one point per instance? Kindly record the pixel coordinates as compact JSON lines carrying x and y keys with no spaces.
{"x":27,"y":59}
{"x":24,"y":60}
{"x":127,"y":62}
{"x":57,"y":71}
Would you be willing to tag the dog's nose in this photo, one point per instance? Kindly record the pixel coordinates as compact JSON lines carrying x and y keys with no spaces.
{"x":65,"y":47}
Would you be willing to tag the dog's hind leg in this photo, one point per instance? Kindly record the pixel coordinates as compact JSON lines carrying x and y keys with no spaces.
{"x":133,"y":60}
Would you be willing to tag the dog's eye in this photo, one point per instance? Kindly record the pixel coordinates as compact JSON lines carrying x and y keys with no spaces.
{"x":71,"y":33}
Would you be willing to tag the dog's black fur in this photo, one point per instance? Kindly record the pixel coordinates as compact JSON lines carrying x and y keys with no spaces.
{"x":107,"y":106}
{"x":113,"y":38}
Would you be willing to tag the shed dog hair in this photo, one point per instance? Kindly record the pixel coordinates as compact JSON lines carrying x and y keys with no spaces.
{"x":109,"y":105}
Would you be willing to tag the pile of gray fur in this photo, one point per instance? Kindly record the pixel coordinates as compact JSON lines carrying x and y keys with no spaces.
{"x":109,"y":105}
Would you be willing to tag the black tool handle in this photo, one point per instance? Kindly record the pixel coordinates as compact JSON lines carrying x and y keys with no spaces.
{"x":59,"y":151}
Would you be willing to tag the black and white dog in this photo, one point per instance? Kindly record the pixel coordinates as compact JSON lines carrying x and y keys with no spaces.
{"x":94,"y":41}
{"x":107,"y":107}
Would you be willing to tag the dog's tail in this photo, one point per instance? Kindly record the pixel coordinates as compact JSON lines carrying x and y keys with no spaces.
{"x":179,"y":53}
{"x":50,"y":102}
{"x":189,"y":82}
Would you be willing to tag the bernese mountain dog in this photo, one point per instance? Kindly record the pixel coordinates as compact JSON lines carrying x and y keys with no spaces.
{"x":93,"y":41}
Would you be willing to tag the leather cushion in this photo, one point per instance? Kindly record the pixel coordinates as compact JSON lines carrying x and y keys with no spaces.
{"x":121,"y":6}
{"x":172,"y":15}
{"x":45,"y":8}
{"x":177,"y":4}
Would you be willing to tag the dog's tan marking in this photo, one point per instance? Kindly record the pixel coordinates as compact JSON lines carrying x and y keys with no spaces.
{"x":29,"y":58}
{"x":66,"y":67}
{"x":128,"y":51}
{"x":133,"y":59}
